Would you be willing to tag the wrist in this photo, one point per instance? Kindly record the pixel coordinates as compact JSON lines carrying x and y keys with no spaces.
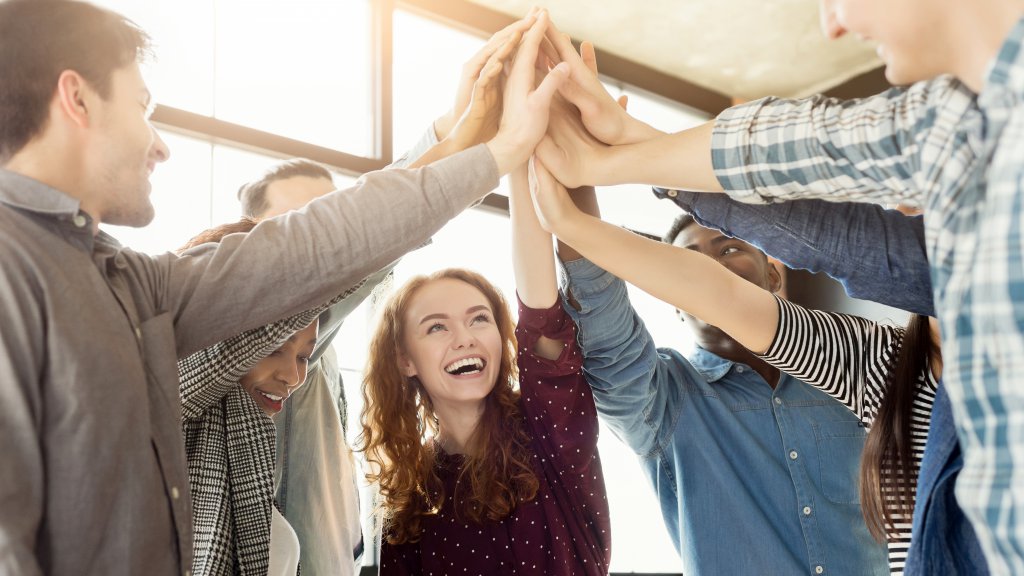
{"x":638,"y":131}
{"x":443,"y":126}
{"x":506,"y":154}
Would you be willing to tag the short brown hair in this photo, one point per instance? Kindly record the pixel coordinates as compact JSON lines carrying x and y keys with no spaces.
{"x":39,"y":40}
{"x":253,"y":195}
{"x":216,"y":233}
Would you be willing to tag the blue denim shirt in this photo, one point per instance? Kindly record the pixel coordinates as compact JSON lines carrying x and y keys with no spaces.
{"x":751,"y":480}
{"x":877,"y":255}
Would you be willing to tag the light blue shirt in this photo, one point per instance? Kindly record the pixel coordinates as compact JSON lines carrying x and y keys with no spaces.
{"x":750,"y":480}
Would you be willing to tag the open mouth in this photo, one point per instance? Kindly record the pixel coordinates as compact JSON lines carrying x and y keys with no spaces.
{"x":271,"y":397}
{"x":465,"y":367}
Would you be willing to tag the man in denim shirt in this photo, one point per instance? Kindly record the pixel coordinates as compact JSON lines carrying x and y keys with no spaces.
{"x":877,"y":255}
{"x":755,"y":470}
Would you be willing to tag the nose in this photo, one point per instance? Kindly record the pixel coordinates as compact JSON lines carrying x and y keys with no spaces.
{"x":288,"y":373}
{"x":160,"y":150}
{"x":829,"y":20}
{"x":463,"y":338}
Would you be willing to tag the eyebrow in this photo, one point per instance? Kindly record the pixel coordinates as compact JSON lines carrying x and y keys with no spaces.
{"x":714,"y":241}
{"x":444,"y":316}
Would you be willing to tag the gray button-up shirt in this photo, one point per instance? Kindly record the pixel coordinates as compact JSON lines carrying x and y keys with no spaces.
{"x":92,"y":474}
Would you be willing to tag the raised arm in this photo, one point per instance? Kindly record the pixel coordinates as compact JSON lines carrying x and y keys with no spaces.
{"x":684,"y":278}
{"x":876,"y":254}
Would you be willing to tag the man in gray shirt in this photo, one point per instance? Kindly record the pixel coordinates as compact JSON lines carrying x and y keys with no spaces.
{"x":92,"y":475}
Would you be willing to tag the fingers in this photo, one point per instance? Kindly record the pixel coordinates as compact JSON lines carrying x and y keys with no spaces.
{"x":521,"y":78}
{"x":549,"y":86}
{"x":589,"y":56}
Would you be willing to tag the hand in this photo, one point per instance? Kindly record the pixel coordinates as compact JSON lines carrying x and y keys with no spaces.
{"x":603,"y":116}
{"x":551,"y":200}
{"x":569,"y":150}
{"x":526,"y":105}
{"x":479,"y":123}
{"x":472,"y":70}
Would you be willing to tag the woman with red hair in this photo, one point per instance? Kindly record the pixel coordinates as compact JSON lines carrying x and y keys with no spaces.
{"x":478,"y":475}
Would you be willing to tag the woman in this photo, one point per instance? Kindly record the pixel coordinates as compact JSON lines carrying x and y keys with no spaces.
{"x":228,"y":393}
{"x":476,"y":476}
{"x":886,"y":375}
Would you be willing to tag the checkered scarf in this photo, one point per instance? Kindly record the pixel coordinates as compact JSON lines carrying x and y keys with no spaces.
{"x":230,"y":445}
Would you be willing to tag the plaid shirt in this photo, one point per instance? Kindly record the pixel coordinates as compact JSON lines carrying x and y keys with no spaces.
{"x":959,"y":155}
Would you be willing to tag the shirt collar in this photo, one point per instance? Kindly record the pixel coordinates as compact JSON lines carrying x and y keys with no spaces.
{"x":712,"y":366}
{"x":32,"y":195}
{"x":1007,"y":70}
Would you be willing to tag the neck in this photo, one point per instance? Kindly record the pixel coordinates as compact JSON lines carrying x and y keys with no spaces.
{"x":980,"y":30}
{"x":46,"y":160}
{"x":456,"y":425}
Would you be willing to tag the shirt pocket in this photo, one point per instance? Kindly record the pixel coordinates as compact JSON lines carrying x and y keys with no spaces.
{"x":840,"y":444}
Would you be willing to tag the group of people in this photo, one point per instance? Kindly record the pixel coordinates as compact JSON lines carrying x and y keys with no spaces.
{"x":154,"y":411}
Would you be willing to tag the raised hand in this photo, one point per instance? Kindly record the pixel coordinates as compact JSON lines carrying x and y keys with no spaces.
{"x":505,"y":39}
{"x":482,"y":116}
{"x":526,"y":105}
{"x":603,"y":116}
{"x":569,"y":150}
{"x":551,"y":201}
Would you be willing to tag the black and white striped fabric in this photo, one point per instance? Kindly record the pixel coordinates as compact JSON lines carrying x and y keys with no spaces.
{"x":849,"y":358}
{"x":230,"y":445}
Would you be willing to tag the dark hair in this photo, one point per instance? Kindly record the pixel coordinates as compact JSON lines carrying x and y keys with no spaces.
{"x":888,"y":473}
{"x":39,"y":40}
{"x":253,"y":195}
{"x":217,"y":233}
{"x":681,"y":222}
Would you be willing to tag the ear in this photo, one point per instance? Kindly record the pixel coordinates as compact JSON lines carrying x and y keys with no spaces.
{"x":74,"y":97}
{"x":774,"y":277}
{"x":406,"y":366}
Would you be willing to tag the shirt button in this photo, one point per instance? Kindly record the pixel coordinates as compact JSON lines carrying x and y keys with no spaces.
{"x":138,"y":333}
{"x":78,"y":220}
{"x":793,"y":454}
{"x":807,"y":510}
{"x":672,"y":193}
{"x":174,"y":492}
{"x":778,"y":401}
{"x":818,"y":570}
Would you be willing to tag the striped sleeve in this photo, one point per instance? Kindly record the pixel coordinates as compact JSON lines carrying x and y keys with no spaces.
{"x":845,"y":356}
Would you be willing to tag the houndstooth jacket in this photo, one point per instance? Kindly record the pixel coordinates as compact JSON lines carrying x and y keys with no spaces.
{"x":230,"y":445}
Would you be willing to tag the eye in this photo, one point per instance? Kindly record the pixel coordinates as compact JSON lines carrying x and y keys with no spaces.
{"x":436,"y":327}
{"x":480,"y":318}
{"x":729,"y":250}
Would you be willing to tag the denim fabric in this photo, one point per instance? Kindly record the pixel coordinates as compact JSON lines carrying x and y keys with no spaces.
{"x":867,"y":248}
{"x":944,"y":542}
{"x":751,"y":480}
{"x":878,"y":255}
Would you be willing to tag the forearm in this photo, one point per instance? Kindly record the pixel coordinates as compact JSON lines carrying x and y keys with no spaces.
{"x":314,"y":254}
{"x":684,"y":278}
{"x":585,"y":199}
{"x":532,"y":253}
{"x":680,"y":160}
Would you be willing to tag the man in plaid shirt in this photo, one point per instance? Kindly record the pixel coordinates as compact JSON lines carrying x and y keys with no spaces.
{"x":952,"y":142}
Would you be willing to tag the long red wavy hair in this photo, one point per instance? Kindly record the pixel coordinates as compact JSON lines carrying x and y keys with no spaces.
{"x":398,"y":420}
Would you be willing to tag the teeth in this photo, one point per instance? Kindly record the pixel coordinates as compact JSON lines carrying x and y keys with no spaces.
{"x":454,"y":366}
{"x":273,"y":397}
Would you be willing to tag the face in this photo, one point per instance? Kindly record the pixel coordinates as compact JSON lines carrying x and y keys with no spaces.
{"x":452,"y":343}
{"x":275,"y":377}
{"x":909,"y":33}
{"x":125,"y":150}
{"x":739,"y":257}
{"x":294,"y":193}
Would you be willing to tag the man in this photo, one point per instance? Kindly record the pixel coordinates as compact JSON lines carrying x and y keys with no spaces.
{"x":950,"y":143}
{"x":92,"y":475}
{"x":755,"y":470}
{"x":877,"y":255}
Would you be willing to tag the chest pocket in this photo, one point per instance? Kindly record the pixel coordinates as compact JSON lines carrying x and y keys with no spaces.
{"x":840,"y":444}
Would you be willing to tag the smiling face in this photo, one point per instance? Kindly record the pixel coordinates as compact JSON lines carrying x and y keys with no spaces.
{"x":451,"y":343}
{"x":275,"y":377}
{"x":124,"y":150}
{"x":911,"y":34}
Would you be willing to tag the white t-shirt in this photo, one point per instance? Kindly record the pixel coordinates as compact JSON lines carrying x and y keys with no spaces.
{"x":284,"y":547}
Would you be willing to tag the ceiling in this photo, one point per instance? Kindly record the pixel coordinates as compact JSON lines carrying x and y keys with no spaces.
{"x":739,"y":48}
